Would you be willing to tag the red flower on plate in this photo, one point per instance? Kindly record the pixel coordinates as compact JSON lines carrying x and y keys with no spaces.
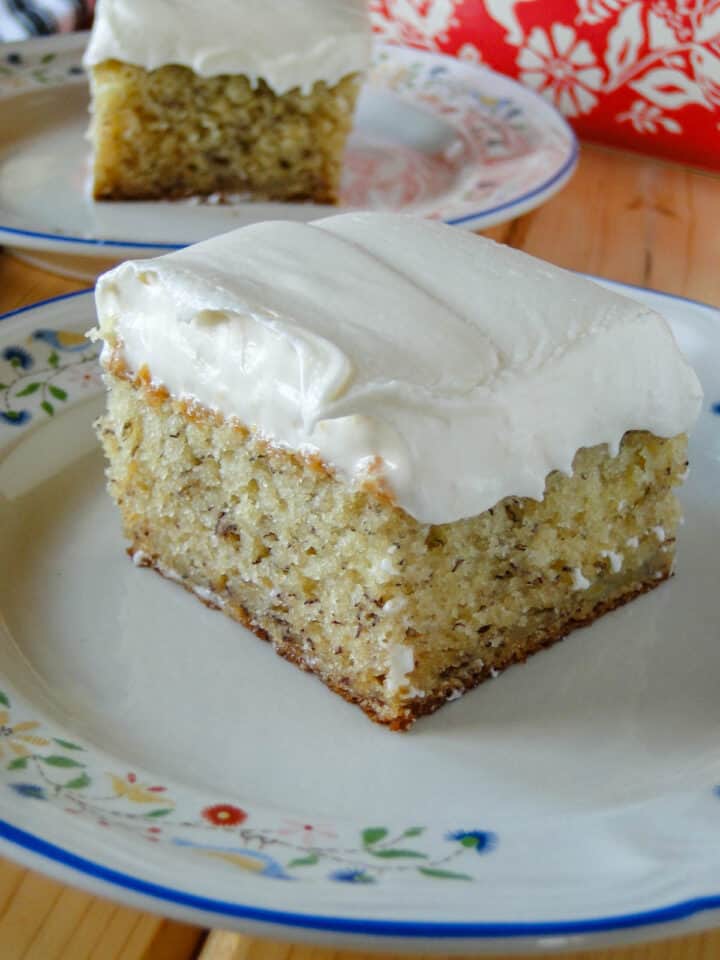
{"x":224,"y":815}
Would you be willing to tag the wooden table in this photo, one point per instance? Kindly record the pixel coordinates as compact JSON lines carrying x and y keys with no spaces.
{"x":623,"y":217}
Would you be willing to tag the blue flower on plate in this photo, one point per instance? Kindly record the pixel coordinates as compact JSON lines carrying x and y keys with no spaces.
{"x":482,"y":841}
{"x":14,"y":58}
{"x":15,"y":417}
{"x":351,"y":876}
{"x":716,"y":408}
{"x":29,"y":790}
{"x":716,"y":790}
{"x":18,"y":357}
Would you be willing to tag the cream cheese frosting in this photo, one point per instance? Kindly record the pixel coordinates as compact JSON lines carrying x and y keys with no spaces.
{"x":286,"y":43}
{"x":460,"y":370}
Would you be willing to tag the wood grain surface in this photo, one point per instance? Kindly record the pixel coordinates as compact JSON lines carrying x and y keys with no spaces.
{"x":622,"y":216}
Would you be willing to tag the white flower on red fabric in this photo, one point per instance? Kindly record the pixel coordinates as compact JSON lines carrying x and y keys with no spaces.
{"x":678,"y":16}
{"x":470,"y":53}
{"x":503,"y":12}
{"x":593,"y":12}
{"x":647,"y":118}
{"x":562,"y":68}
{"x":705,"y":57}
{"x":416,"y":23}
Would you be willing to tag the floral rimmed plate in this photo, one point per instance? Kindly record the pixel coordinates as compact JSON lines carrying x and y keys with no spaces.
{"x":153,"y":751}
{"x":433,"y":136}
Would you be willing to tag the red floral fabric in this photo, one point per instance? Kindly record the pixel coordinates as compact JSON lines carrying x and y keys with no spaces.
{"x":642,"y":74}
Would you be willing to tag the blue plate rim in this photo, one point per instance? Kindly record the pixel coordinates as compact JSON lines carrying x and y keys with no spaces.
{"x":367,"y":926}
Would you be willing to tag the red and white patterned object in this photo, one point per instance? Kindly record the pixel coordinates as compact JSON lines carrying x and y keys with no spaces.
{"x":642,"y":74}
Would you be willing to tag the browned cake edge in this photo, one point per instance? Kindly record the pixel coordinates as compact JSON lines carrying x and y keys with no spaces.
{"x":290,"y":648}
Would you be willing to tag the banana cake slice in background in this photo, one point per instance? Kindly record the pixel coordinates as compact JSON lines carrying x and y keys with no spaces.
{"x":233,"y":97}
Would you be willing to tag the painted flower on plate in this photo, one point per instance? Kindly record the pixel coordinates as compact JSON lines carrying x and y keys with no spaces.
{"x":129,"y":788}
{"x":224,"y":815}
{"x":351,"y":876}
{"x":479,"y":840}
{"x":15,"y":418}
{"x":18,"y":737}
{"x":31,"y":790}
{"x":18,"y":357}
{"x":561,"y":68}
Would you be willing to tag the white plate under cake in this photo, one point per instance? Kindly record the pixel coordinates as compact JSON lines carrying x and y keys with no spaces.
{"x":571,"y":801}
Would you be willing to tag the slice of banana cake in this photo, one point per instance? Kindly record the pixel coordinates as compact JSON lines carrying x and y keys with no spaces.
{"x":406,"y":456}
{"x":190,"y":99}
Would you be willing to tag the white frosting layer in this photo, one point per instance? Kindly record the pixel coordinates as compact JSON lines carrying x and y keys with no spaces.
{"x":286,"y":43}
{"x":470,"y":369}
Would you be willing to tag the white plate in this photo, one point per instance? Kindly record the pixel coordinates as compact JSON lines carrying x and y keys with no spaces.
{"x":433,"y":136}
{"x":156,"y":752}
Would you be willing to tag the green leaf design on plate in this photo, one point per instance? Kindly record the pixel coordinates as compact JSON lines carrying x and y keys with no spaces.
{"x":79,"y":783}
{"x":3,"y":386}
{"x":413,"y":831}
{"x":61,"y":762}
{"x":392,"y":854}
{"x":373,"y":835}
{"x":15,"y":362}
{"x":48,"y":408}
{"x":53,"y":359}
{"x":19,"y":763}
{"x":68,"y":744}
{"x":47,"y":58}
{"x":469,"y":842}
{"x":443,"y":874}
{"x":57,"y":392}
{"x":308,"y":861}
{"x":4,"y":700}
{"x":160,"y":813}
{"x":30,"y":388}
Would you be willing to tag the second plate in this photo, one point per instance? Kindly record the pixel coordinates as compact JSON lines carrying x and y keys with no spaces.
{"x":434,"y":136}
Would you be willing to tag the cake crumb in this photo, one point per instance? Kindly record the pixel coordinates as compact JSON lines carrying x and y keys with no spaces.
{"x":401,"y":662}
{"x":394,"y":605}
{"x":632,"y":542}
{"x":579,"y":582}
{"x":385,"y":569}
{"x":616,"y":559}
{"x":659,"y":533}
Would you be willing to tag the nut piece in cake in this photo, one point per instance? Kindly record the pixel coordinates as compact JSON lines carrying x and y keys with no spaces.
{"x":404,"y":479}
{"x":250,"y":98}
